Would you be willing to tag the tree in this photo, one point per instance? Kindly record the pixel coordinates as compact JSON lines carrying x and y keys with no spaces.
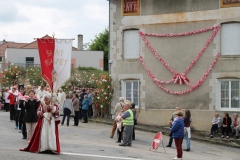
{"x":100,"y":43}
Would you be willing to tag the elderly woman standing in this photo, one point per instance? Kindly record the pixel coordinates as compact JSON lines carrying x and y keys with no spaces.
{"x":117,"y":110}
{"x":187,"y":122}
{"x":67,"y":109}
{"x":30,"y":118}
{"x":177,"y":131}
{"x":76,"y":109}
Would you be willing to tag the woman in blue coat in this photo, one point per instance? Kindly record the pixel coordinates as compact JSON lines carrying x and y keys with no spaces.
{"x":85,"y":104}
{"x":178,"y":133}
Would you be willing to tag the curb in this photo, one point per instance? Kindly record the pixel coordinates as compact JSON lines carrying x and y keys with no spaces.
{"x":227,"y":143}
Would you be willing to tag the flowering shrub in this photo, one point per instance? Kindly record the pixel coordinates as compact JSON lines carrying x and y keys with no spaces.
{"x":11,"y":76}
{"x":34,"y":76}
{"x":104,"y":93}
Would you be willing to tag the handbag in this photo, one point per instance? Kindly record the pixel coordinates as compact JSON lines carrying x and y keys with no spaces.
{"x":185,"y":130}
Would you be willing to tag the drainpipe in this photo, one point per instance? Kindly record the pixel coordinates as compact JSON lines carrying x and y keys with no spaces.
{"x":109,"y":65}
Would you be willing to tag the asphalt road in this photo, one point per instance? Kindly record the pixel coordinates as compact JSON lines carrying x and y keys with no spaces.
{"x":91,"y":142}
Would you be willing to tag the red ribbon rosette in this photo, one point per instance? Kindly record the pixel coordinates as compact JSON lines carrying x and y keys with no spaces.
{"x":180,"y":79}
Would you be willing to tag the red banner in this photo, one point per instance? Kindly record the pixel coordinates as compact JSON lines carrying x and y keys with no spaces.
{"x":46,"y":54}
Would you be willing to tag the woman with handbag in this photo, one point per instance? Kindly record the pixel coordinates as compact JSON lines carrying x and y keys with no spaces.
{"x":187,"y":130}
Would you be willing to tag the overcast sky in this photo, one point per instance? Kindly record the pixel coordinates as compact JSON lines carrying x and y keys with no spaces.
{"x":23,"y":20}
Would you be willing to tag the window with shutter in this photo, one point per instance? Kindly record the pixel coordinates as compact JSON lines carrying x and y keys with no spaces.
{"x":230,"y":39}
{"x":131,"y":44}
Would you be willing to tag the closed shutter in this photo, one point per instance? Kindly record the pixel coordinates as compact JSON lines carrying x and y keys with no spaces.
{"x":230,"y":39}
{"x":131,"y":44}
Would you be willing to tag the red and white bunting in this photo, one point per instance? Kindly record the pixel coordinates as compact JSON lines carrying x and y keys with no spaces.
{"x":180,"y":78}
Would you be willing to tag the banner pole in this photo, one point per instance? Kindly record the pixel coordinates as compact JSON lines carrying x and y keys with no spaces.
{"x":52,"y":98}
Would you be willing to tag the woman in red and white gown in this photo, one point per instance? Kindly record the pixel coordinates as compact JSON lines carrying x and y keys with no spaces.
{"x":46,"y":136}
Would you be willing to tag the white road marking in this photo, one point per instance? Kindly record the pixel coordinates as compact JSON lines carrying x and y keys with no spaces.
{"x":98,"y":156}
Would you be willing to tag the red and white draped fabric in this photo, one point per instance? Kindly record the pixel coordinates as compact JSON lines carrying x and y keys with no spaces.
{"x":55,"y":57}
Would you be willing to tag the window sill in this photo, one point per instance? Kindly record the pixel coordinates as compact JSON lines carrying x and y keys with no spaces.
{"x":229,"y":56}
{"x":228,"y":109}
{"x":131,"y":60}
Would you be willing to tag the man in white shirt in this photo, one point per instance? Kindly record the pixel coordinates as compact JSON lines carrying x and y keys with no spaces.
{"x":61,"y":97}
{"x":46,"y":90}
{"x":41,"y":93}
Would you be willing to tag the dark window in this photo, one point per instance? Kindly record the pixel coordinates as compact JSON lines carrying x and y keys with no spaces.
{"x":30,"y":60}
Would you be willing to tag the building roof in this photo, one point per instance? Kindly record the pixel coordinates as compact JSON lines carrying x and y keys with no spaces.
{"x":32,"y":45}
{"x":35,"y":45}
{"x":6,"y":45}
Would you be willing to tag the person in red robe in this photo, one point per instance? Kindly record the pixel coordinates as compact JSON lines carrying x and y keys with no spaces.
{"x":46,"y":136}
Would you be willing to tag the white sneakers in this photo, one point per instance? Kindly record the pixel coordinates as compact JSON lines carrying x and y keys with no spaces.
{"x":177,"y":158}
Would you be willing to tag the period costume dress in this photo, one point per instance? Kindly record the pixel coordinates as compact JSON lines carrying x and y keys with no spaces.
{"x":46,"y":135}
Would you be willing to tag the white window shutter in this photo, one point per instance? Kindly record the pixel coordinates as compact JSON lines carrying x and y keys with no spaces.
{"x":123,"y":88}
{"x":230,"y":39}
{"x":131,"y":44}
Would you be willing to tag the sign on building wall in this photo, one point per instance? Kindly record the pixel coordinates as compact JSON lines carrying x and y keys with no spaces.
{"x":229,"y":3}
{"x":130,"y":7}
